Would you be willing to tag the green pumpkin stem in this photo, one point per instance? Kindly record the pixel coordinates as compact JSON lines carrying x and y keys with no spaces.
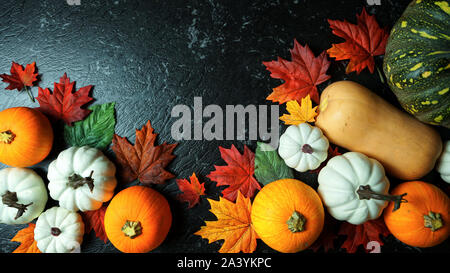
{"x":7,"y":137}
{"x":433,"y":221}
{"x":76,"y":181}
{"x":365,"y":192}
{"x":132,"y":229}
{"x":296,"y":222}
{"x":10,"y":199}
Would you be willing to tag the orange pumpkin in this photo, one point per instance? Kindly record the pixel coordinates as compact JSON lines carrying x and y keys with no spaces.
{"x":424,"y":220}
{"x":26,"y":137}
{"x":288,"y":215}
{"x":137,"y":219}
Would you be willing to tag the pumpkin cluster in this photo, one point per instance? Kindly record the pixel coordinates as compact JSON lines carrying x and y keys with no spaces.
{"x":381,"y":142}
{"x":81,"y":179}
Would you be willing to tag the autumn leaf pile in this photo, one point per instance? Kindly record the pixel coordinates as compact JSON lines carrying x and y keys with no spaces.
{"x":242,"y":173}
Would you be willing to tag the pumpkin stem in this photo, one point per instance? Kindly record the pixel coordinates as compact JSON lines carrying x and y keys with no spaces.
{"x":365,"y":192}
{"x":307,"y":149}
{"x":10,"y":199}
{"x":7,"y":137}
{"x":76,"y":181}
{"x":296,"y":222}
{"x":132,"y":229}
{"x":433,"y":221}
{"x":55,"y":231}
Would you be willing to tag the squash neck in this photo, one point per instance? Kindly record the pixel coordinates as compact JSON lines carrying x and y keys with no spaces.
{"x":433,"y":221}
{"x":10,"y":199}
{"x":296,"y":223}
{"x":7,"y":137}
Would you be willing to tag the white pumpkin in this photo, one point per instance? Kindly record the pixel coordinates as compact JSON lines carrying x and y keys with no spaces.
{"x":443,"y":166}
{"x":23,"y":195}
{"x":303,"y":147}
{"x":59,"y":230}
{"x":354,"y":188}
{"x":81,"y":178}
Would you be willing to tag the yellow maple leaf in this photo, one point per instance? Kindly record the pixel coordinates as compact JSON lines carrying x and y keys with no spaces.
{"x":233,"y":225}
{"x":299,"y":114}
{"x":26,"y":239}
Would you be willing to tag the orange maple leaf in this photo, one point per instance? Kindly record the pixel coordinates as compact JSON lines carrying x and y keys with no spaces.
{"x":233,"y":225}
{"x":363,"y":41}
{"x":191,"y":191}
{"x":301,"y":75}
{"x":238,"y":174}
{"x":26,"y":239}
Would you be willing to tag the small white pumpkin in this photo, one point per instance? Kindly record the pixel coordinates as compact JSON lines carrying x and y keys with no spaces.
{"x":354,"y":188}
{"x":59,"y":230}
{"x":23,"y":196}
{"x":303,"y":147}
{"x":81,"y":178}
{"x":443,"y":166}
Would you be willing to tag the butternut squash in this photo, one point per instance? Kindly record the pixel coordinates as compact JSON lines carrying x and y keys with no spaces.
{"x":353,"y":117}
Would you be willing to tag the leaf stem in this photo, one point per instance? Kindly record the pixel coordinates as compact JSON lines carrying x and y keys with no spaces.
{"x":30,"y":94}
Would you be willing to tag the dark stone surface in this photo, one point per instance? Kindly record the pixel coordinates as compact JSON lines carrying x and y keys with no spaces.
{"x":149,"y":56}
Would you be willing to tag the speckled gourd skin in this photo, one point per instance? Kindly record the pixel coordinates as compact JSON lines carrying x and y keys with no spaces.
{"x":417,"y":61}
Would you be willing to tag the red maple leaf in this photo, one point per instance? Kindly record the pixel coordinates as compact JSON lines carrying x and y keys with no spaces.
{"x":238,"y":174}
{"x":143,"y":161}
{"x":328,"y":235}
{"x":331,"y":153}
{"x":63,"y":103}
{"x":361,"y":235}
{"x":363,"y":41}
{"x":94,"y":220}
{"x":20,"y":77}
{"x":191,"y":191}
{"x":301,"y":75}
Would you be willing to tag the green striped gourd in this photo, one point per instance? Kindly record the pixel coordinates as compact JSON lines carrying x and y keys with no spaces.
{"x":417,"y":61}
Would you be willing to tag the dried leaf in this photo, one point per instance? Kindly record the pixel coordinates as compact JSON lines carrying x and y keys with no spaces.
{"x":20,"y":77}
{"x":299,"y":114}
{"x":363,"y":41}
{"x":191,"y":191}
{"x":361,"y":235}
{"x":301,"y":75}
{"x":94,"y":220}
{"x":238,"y":174}
{"x":144,"y":161}
{"x":233,"y":225}
{"x":26,"y":239}
{"x":63,"y":103}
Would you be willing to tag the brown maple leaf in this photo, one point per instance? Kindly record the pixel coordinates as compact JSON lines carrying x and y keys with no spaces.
{"x":191,"y":191}
{"x":361,"y":235}
{"x":301,"y":75}
{"x":63,"y":103}
{"x":26,"y":239}
{"x":144,"y":161}
{"x":94,"y":220}
{"x":238,"y":175}
{"x":233,"y":225}
{"x":363,"y":41}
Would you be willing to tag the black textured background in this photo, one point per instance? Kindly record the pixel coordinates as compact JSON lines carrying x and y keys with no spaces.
{"x":149,"y":56}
